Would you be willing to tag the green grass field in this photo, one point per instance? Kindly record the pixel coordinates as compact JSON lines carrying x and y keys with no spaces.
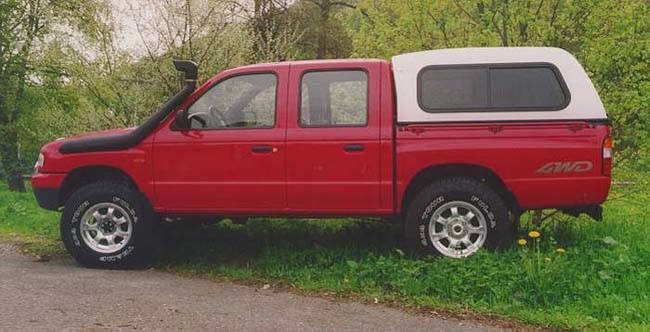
{"x":601,"y":280}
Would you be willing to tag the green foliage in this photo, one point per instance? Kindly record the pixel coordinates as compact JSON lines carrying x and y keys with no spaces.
{"x":615,"y":53}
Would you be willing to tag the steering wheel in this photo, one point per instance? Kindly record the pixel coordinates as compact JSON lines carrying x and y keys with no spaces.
{"x":197,"y":116}
{"x":201,"y":117}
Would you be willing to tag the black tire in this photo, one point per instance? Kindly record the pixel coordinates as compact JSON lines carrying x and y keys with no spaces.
{"x":129,"y":204}
{"x":473,"y":196}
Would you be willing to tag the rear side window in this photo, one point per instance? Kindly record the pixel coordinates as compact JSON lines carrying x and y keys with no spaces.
{"x":334,"y":98}
{"x":521,"y":87}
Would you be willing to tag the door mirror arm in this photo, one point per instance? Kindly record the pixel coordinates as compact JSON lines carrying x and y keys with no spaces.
{"x":181,"y":122}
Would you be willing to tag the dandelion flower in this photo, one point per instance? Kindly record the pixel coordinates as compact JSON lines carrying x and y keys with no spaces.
{"x":560,"y":250}
{"x":547,"y":260}
{"x":522,"y":242}
{"x":534,"y":234}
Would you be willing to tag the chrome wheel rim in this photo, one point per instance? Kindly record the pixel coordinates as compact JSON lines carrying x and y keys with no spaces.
{"x":106,"y":228}
{"x":457,"y":229}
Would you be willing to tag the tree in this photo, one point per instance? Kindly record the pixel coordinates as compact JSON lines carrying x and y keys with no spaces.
{"x":21,"y":23}
{"x":24,"y":26}
{"x":322,"y":28}
{"x":325,"y":8}
{"x":271,"y":28}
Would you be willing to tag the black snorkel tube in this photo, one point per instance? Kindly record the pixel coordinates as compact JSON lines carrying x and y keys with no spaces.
{"x":127,"y":140}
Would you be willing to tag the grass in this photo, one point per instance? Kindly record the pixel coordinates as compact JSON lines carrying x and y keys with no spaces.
{"x":601,"y":281}
{"x":22,"y":220}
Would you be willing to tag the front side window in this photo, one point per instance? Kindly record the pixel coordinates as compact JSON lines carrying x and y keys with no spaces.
{"x":519,"y":87}
{"x":334,"y":98}
{"x":245,"y":101}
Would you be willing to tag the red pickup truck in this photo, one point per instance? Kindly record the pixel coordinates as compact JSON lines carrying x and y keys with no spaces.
{"x":456,"y":143}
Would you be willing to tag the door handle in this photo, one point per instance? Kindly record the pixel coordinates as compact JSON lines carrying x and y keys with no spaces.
{"x":353,"y":147}
{"x":262,"y":148}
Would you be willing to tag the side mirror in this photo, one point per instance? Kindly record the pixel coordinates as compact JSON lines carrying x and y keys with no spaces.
{"x":180,"y":121}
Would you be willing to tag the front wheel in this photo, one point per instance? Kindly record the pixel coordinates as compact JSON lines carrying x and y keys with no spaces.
{"x":456,"y":217}
{"x":107,"y":225}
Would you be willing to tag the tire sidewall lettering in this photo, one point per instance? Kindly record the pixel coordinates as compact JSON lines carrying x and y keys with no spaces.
{"x":487,"y":211}
{"x":423,"y":230}
{"x":113,"y":258}
{"x":119,"y":201}
{"x":76,"y":220}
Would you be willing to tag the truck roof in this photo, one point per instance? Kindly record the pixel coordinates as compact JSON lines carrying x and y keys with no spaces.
{"x":324,"y":62}
{"x":584,"y":102}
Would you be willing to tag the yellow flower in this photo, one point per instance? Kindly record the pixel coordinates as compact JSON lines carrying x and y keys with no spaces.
{"x":560,"y":250}
{"x":547,"y":260}
{"x":522,"y":242}
{"x":534,"y":234}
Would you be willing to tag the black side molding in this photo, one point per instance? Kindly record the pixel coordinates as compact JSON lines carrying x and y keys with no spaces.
{"x":127,"y":140}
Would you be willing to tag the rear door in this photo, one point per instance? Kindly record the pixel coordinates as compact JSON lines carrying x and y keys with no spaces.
{"x":333,"y":146}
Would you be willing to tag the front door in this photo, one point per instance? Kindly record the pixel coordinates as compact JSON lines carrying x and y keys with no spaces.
{"x":232,"y":159}
{"x":333,"y":146}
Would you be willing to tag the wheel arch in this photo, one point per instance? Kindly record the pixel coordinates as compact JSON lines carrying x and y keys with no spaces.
{"x":82,"y":176}
{"x":478,"y":172}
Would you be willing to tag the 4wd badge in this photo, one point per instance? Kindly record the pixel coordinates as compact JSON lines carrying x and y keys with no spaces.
{"x":566,"y":167}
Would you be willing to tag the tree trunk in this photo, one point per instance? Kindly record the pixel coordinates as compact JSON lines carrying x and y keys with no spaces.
{"x":10,"y":161}
{"x":9,"y":150}
{"x":321,"y":53}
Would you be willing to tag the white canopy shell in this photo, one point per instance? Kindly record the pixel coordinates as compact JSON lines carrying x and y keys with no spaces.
{"x":584,"y":104}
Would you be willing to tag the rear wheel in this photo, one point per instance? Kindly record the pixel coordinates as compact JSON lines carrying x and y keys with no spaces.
{"x":108,"y":225}
{"x":456,"y":217}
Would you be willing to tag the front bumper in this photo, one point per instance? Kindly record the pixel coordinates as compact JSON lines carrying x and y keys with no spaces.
{"x":47,"y":198}
{"x":46,"y":188}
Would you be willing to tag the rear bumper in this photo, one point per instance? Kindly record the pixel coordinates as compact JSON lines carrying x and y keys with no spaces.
{"x":46,"y":188}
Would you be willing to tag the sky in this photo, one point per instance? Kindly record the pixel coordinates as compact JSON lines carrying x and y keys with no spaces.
{"x":125,"y":13}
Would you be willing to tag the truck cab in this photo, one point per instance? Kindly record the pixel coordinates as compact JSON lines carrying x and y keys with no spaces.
{"x":454,"y":143}
{"x":280,"y":139}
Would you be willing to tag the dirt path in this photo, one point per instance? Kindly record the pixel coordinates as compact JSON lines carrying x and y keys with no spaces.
{"x":59,"y":294}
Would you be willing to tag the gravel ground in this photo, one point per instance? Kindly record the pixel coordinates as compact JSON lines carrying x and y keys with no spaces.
{"x":58,"y":295}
